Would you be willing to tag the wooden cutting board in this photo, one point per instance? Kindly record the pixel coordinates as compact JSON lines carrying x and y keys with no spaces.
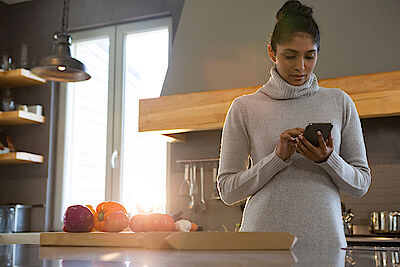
{"x":154,"y":240}
{"x":231,"y":240}
{"x":175,"y":240}
{"x":93,"y":239}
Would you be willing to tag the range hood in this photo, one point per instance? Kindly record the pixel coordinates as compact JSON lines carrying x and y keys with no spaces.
{"x":220,"y":52}
{"x":220,"y":45}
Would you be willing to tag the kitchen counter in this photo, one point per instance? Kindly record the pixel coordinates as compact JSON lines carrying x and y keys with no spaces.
{"x":34,"y":255}
{"x":19,"y":238}
{"x":34,"y":238}
{"x":22,"y":249}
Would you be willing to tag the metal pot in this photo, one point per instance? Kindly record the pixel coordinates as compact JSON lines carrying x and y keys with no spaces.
{"x":15,"y":218}
{"x":386,"y":258}
{"x":385,"y":222}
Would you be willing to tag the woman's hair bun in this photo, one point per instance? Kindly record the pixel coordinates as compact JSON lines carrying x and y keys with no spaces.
{"x":293,"y":8}
{"x":294,"y":17}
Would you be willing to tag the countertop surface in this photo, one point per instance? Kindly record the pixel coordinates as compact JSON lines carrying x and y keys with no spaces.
{"x":34,"y":238}
{"x":23,"y":250}
{"x":35,"y":255}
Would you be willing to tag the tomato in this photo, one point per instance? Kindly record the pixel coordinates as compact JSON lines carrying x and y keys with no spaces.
{"x":159,"y":222}
{"x":137,"y":223}
{"x":116,"y":221}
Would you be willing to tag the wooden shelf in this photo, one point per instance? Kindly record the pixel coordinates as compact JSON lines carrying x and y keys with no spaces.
{"x":20,"y":158}
{"x":19,"y":78}
{"x":19,"y":117}
{"x":375,"y":95}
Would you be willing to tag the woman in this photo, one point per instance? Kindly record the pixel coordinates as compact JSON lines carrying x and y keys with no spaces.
{"x":288,"y":191}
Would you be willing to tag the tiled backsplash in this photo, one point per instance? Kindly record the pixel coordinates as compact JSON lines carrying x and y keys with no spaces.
{"x":383,"y":150}
{"x":384,"y":193}
{"x":217,"y":215}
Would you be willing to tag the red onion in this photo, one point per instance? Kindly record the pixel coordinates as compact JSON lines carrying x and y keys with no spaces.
{"x":78,"y":218}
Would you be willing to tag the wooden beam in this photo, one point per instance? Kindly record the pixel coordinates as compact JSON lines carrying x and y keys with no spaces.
{"x":187,"y":112}
{"x":365,"y":84}
{"x":375,"y":95}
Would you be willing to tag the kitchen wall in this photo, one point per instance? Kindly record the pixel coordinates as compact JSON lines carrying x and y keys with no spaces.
{"x":34,"y":23}
{"x":227,"y":50}
{"x":4,"y":20}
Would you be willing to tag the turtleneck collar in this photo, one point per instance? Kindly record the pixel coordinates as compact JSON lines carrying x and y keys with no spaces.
{"x":278,"y":88}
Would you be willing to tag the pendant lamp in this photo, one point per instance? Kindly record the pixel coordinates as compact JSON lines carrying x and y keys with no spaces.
{"x":60,"y":66}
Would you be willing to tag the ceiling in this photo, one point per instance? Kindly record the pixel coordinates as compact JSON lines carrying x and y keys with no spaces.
{"x":12,"y":2}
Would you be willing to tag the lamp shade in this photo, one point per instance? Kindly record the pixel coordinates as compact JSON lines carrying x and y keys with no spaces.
{"x":60,"y":66}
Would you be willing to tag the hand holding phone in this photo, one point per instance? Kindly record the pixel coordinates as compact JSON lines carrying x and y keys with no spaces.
{"x":310,"y":133}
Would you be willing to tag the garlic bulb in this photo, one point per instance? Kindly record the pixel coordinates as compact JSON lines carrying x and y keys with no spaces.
{"x":183,"y":225}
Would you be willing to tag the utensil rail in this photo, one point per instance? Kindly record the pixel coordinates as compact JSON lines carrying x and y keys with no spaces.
{"x":197,"y":160}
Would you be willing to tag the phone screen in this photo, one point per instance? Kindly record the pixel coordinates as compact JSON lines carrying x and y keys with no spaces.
{"x":310,"y":133}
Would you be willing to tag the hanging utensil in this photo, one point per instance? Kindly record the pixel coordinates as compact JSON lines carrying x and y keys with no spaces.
{"x":195,"y":187}
{"x":215,"y":193}
{"x":185,"y":186}
{"x":191,"y":188}
{"x":202,"y":205}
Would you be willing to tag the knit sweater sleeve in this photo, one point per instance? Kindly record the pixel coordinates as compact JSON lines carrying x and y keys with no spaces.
{"x":349,"y":170}
{"x":235,"y":181}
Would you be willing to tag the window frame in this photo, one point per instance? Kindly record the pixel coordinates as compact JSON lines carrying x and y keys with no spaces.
{"x":117,"y":35}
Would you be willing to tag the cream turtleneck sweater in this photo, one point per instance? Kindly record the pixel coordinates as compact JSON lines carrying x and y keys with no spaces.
{"x":296,"y":195}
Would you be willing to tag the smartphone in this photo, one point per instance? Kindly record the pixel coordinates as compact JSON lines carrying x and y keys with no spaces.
{"x":310,"y":133}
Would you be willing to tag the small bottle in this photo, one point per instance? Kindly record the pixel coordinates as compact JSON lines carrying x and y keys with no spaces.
{"x":10,"y":64}
{"x":4,"y":64}
{"x":8,"y":104}
{"x":24,"y":56}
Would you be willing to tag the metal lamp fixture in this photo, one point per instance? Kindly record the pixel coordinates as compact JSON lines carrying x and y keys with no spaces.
{"x":60,"y":66}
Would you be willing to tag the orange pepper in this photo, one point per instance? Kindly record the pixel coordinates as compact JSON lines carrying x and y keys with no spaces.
{"x":102,"y":212}
{"x":94,"y":216}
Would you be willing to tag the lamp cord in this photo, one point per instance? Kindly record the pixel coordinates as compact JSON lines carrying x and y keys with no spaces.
{"x":64,"y":27}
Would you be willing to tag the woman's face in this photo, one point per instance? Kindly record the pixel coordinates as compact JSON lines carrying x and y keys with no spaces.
{"x":295,"y":60}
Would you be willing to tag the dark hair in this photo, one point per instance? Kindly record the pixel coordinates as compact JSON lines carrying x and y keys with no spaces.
{"x":294,"y":17}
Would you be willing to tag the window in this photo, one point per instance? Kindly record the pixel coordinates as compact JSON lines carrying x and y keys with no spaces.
{"x":101,"y":155}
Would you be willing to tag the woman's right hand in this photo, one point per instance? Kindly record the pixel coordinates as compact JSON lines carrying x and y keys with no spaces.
{"x":286,"y":145}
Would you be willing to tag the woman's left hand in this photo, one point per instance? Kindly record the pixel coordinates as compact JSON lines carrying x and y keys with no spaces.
{"x":317,"y":154}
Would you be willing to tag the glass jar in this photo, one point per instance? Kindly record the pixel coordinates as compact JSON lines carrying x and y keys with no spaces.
{"x":7,"y":102}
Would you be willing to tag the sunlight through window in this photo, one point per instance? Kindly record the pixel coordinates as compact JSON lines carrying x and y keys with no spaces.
{"x":144,"y":155}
